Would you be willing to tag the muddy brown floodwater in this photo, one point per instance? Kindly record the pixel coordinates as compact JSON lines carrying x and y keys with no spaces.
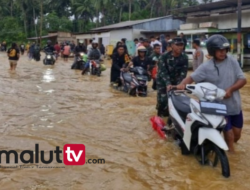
{"x":54,"y":106}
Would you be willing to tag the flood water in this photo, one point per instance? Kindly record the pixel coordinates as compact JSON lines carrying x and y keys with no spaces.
{"x":54,"y":106}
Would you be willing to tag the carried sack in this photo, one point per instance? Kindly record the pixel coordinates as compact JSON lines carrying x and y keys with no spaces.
{"x":12,"y":53}
{"x":103,"y":67}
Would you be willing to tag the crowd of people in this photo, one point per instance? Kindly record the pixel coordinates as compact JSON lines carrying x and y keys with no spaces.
{"x":168,"y":55}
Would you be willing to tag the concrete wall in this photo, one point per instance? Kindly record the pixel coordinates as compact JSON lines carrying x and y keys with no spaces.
{"x":137,"y":34}
{"x":117,"y":35}
{"x":226,"y":21}
{"x":105,"y":37}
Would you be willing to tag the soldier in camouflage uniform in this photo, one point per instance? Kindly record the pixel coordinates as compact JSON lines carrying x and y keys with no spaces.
{"x":172,"y":69}
{"x":154,"y":57}
{"x":146,"y":44}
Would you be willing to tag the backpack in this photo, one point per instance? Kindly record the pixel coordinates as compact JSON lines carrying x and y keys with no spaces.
{"x":12,"y":53}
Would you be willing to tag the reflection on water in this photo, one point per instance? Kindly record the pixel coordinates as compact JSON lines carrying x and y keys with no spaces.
{"x":48,"y":76}
{"x":67,"y":108}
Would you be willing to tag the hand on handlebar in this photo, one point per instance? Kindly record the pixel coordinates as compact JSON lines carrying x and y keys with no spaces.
{"x":178,"y":87}
{"x":123,"y":70}
{"x":228,"y":94}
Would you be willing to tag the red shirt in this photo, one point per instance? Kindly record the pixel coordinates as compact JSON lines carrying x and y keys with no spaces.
{"x":57,"y":48}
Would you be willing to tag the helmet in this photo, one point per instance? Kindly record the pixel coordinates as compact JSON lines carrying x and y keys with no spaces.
{"x":142,"y":49}
{"x":216,"y":42}
{"x":49,"y":42}
{"x":80,"y":41}
{"x":94,"y":42}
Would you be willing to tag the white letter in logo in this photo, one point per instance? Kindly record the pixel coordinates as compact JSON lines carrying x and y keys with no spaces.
{"x":68,"y":152}
{"x":78,"y":156}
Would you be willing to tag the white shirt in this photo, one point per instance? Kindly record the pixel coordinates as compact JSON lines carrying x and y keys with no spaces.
{"x":89,"y":47}
{"x":156,"y":42}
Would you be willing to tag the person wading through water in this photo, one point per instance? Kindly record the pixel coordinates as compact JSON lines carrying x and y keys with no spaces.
{"x":172,"y":69}
{"x":13,"y":53}
{"x":223,"y":71}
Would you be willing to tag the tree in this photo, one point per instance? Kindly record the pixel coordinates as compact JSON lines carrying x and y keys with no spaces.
{"x":81,"y":15}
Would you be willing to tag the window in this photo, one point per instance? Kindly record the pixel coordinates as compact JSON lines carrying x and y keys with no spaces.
{"x":246,"y":43}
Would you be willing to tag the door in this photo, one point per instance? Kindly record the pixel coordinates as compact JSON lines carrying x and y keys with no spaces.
{"x":131,"y":47}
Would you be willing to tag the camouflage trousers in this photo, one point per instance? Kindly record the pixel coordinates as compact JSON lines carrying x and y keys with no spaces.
{"x":162,"y":97}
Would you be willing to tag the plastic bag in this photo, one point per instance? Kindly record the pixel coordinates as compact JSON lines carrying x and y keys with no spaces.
{"x":157,"y":125}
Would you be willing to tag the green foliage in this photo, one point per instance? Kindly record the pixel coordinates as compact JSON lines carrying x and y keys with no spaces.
{"x":54,"y":23}
{"x":17,"y":17}
{"x":11,"y":30}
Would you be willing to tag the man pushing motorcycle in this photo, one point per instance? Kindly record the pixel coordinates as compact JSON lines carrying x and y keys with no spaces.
{"x":224,"y":72}
{"x":172,"y":69}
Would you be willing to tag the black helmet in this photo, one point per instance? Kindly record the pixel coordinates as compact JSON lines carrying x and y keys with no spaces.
{"x":216,"y":42}
{"x":49,"y":42}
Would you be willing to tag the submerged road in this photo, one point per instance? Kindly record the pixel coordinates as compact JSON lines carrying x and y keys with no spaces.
{"x":54,"y":106}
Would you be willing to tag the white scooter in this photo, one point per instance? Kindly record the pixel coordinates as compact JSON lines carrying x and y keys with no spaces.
{"x":197,"y":125}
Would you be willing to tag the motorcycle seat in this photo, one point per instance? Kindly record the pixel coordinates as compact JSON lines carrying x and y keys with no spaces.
{"x":181,"y":103}
{"x":127,"y":77}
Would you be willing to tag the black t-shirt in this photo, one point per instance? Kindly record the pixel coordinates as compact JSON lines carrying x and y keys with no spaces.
{"x":137,"y":62}
{"x":12,"y":53}
{"x":49,"y":49}
{"x":79,"y":49}
{"x":118,"y":61}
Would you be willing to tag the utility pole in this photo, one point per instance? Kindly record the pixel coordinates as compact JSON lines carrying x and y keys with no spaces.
{"x":41,"y":22}
{"x":239,"y":32}
{"x":34,"y":17}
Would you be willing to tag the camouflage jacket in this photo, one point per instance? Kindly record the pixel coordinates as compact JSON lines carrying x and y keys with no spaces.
{"x":149,"y":51}
{"x":172,"y":70}
{"x":154,"y":55}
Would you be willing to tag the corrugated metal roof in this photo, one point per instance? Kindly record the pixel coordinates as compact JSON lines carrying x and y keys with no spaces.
{"x":212,"y":6}
{"x":43,"y":37}
{"x":157,"y":31}
{"x":127,"y":23}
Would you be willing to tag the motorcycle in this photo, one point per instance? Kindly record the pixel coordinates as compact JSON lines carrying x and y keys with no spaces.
{"x":49,"y":59}
{"x":197,"y":125}
{"x":134,"y":82}
{"x":95,"y":67}
{"x":80,"y":62}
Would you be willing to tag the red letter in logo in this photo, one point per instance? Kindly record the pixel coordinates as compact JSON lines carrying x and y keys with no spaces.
{"x":74,"y":154}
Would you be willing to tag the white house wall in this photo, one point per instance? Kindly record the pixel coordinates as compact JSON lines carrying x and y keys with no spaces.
{"x":105,"y":37}
{"x":105,"y":41}
{"x":117,"y":35}
{"x":137,"y":33}
{"x":226,"y":21}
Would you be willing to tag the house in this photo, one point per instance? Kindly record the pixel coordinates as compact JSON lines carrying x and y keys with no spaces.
{"x":217,"y":18}
{"x":109,"y":35}
{"x":56,"y":37}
